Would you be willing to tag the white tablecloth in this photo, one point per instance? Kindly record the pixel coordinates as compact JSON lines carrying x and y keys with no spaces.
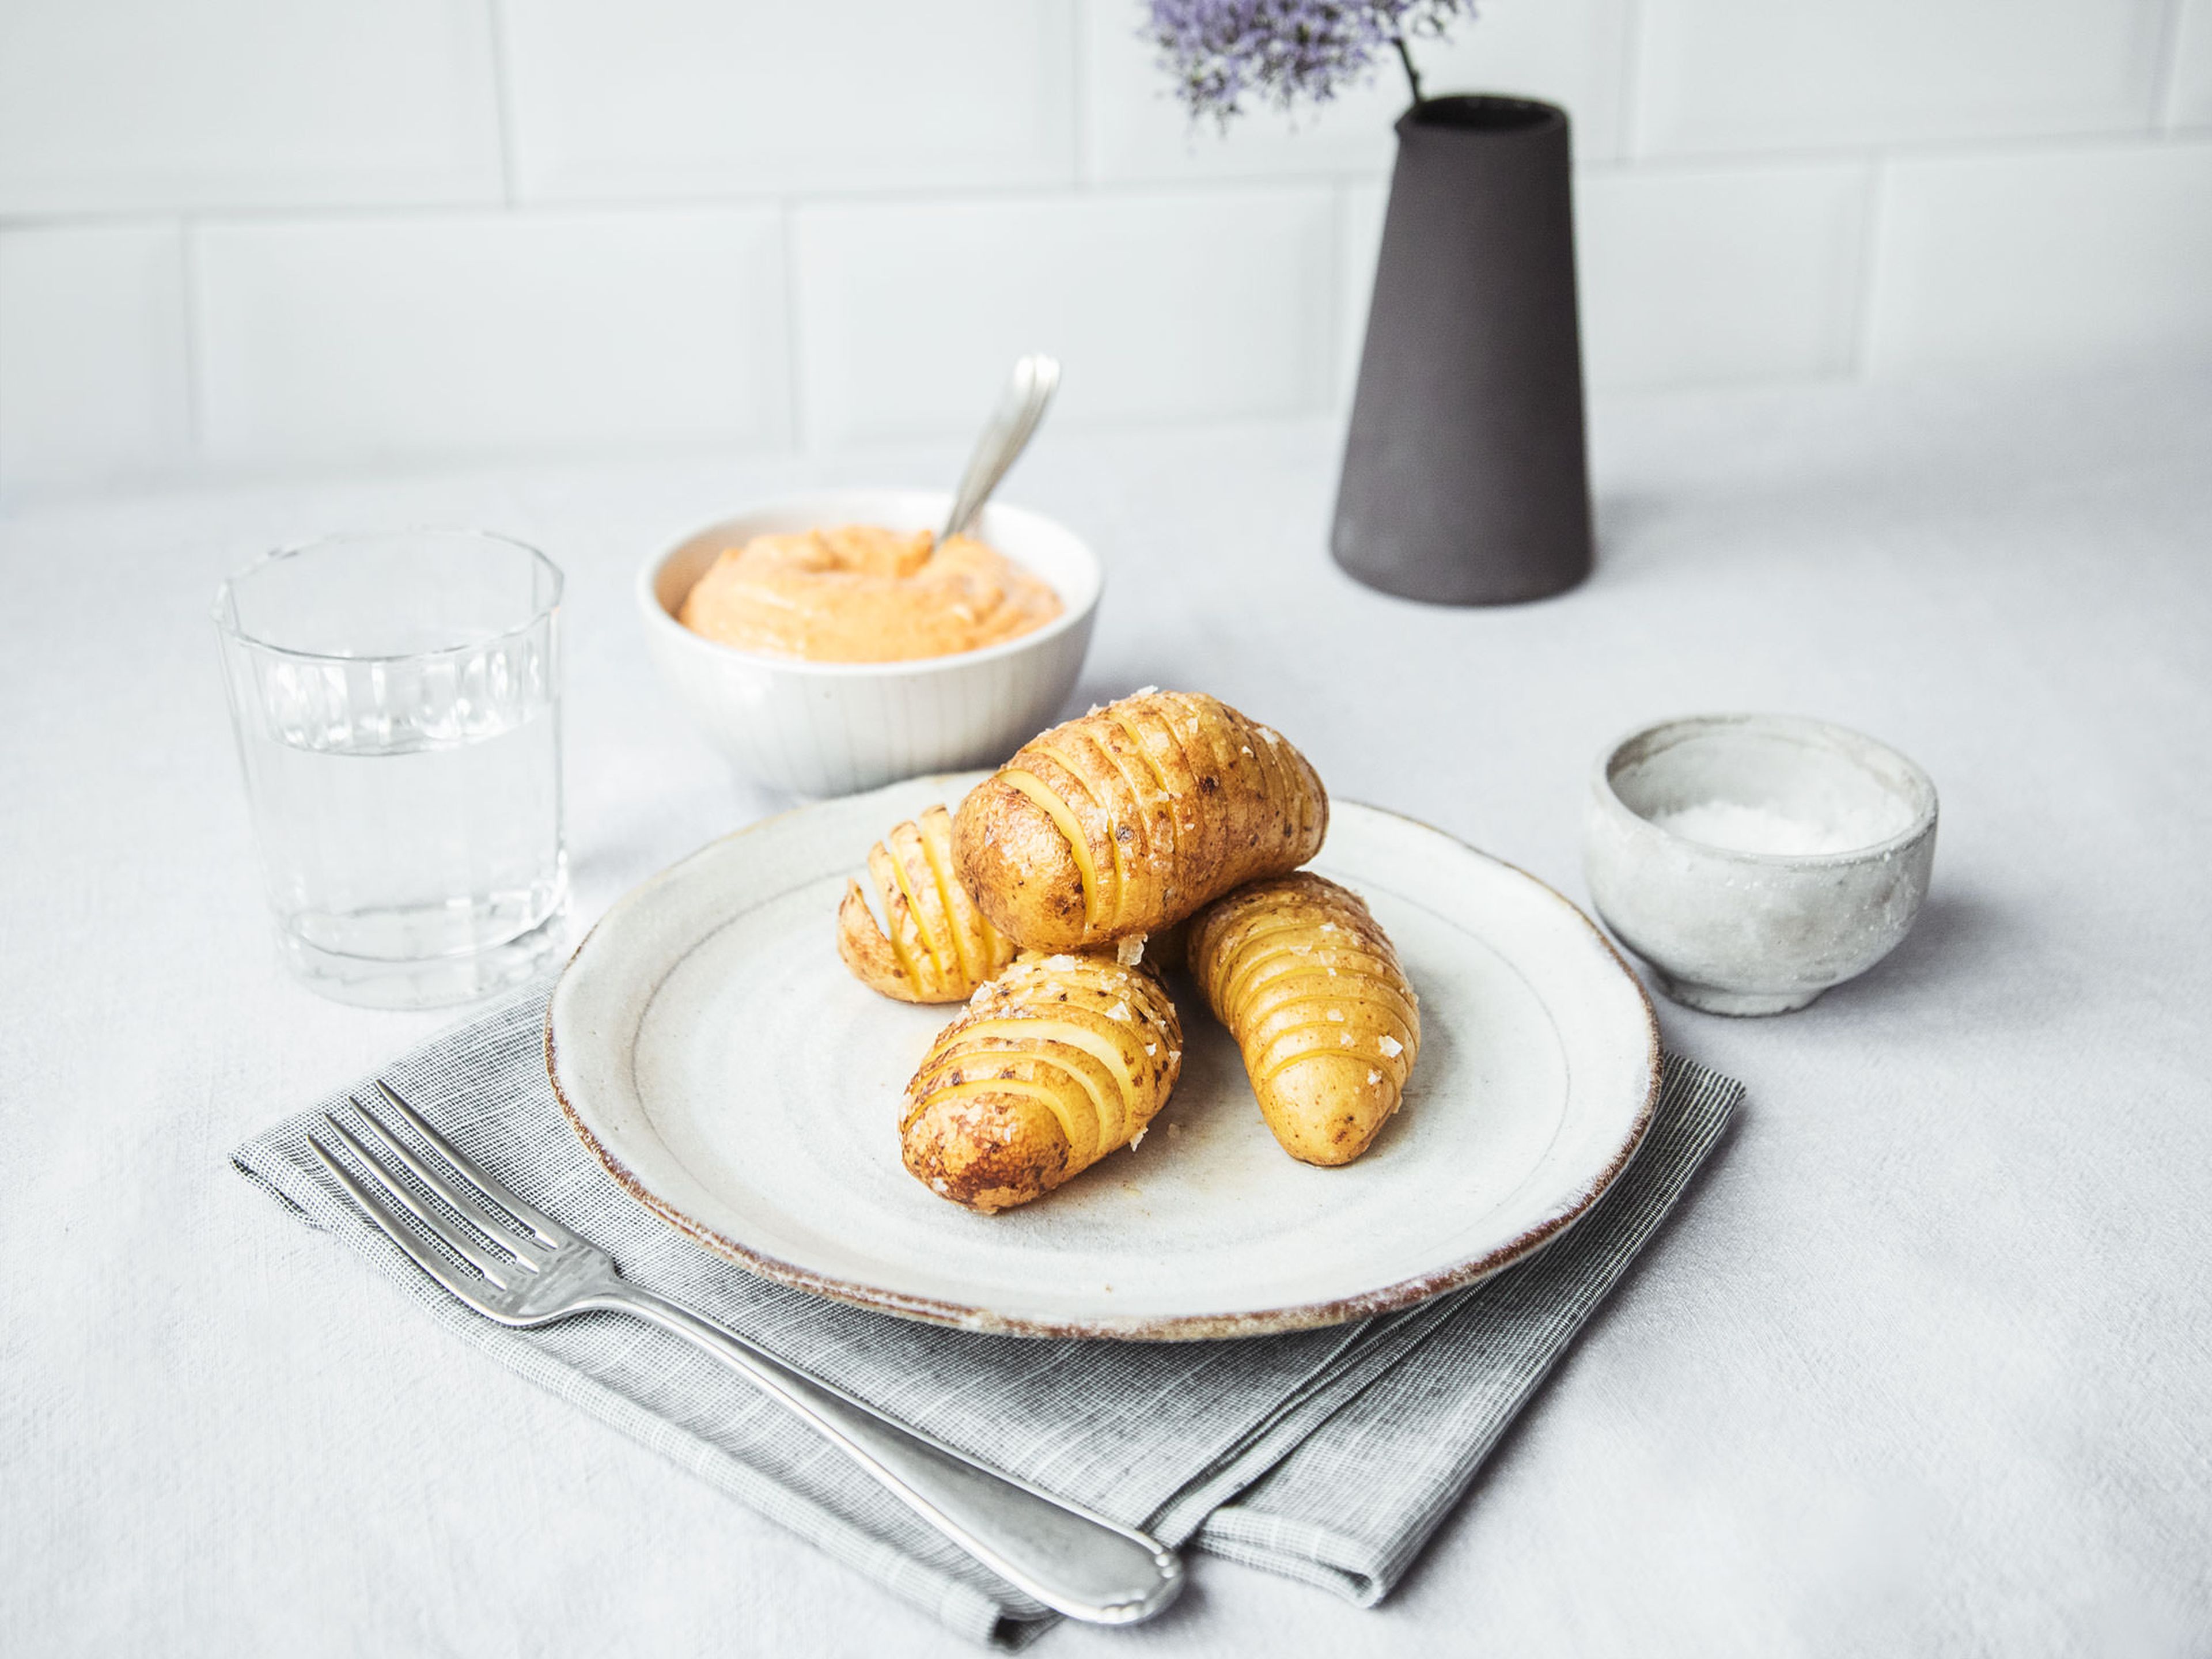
{"x":1925,"y":1362}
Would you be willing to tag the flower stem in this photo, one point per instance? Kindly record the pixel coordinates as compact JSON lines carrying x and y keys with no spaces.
{"x":1413,"y":74}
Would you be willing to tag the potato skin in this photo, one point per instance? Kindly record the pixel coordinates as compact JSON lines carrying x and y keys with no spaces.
{"x":940,"y":947}
{"x":1128,"y":819}
{"x":1057,"y":1062}
{"x":1311,"y":988}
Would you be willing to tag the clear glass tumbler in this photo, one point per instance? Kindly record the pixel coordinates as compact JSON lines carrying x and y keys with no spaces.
{"x":397,"y":700}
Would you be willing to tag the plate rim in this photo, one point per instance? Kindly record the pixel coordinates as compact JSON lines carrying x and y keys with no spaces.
{"x":1171,"y":1327}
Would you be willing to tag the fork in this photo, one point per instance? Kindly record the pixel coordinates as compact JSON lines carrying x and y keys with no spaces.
{"x":513,"y":1264}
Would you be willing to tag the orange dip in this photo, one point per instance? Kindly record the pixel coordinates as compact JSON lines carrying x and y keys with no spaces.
{"x":859,"y":593}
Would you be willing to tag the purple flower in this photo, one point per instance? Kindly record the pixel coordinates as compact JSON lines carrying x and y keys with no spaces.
{"x":1280,"y":51}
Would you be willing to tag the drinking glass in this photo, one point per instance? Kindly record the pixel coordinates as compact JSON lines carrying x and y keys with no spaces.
{"x":397,"y":702}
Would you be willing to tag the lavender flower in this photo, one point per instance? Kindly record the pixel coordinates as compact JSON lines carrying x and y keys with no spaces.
{"x":1222,"y":52}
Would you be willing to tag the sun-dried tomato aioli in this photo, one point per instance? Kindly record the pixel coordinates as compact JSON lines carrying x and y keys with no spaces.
{"x":860,"y":594}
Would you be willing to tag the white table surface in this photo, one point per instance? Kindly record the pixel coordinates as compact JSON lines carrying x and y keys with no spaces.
{"x":1923,"y":1364}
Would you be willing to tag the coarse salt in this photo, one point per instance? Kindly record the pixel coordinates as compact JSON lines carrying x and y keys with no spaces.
{"x":1736,"y":828}
{"x":1374,"y":1077}
{"x":1138,"y":1138}
{"x":1060,"y":964}
{"x":1337,"y":1014}
{"x":1119,"y":1011}
{"x":1390,"y":1046}
{"x":1130,"y":951}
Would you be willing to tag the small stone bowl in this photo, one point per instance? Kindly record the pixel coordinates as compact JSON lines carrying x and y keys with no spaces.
{"x":1756,"y":860}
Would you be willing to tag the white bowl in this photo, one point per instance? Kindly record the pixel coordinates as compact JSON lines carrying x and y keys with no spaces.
{"x":1732,"y":929}
{"x":830,"y":728}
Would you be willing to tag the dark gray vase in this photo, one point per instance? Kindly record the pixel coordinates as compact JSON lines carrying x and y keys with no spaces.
{"x":1465,"y":479}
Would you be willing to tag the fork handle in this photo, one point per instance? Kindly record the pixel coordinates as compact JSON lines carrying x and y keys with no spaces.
{"x":1075,"y":1562}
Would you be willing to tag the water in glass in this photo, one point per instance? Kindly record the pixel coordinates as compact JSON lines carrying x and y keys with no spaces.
{"x":398,"y":719}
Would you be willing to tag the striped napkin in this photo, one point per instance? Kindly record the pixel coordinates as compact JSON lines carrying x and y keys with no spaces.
{"x":1328,"y":1456}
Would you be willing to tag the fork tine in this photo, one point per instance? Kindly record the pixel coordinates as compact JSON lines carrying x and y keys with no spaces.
{"x":462,"y":1285}
{"x":551,"y":1232}
{"x":497,"y":1268}
{"x":516,"y":1241}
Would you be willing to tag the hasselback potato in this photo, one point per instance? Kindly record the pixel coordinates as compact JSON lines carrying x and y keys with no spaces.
{"x":1310,"y":987}
{"x":939,"y":947}
{"x":1057,"y":1062}
{"x":1129,"y":818}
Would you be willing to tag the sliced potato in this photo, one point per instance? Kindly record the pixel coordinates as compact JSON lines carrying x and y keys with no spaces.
{"x":1310,"y":987}
{"x":1059,"y":1060}
{"x":939,"y":946}
{"x":1131,"y":817}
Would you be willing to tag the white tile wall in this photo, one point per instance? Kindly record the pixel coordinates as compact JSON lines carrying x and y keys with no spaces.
{"x":131,"y":104}
{"x":374,"y":338}
{"x":1172,"y":305}
{"x":2189,"y":100}
{"x":92,"y":381}
{"x":689,"y":97}
{"x":1360,"y":214}
{"x":1744,"y":75}
{"x":1720,"y":274}
{"x":2037,"y":261}
{"x":1570,"y":51}
{"x":266,"y":234}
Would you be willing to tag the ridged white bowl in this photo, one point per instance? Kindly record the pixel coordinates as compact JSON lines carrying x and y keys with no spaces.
{"x":829,"y":728}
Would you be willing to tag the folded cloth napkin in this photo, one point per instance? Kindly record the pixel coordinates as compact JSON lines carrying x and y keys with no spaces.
{"x":1327,"y":1455}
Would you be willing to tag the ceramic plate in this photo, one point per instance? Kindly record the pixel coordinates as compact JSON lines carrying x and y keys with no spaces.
{"x":713,"y":1052}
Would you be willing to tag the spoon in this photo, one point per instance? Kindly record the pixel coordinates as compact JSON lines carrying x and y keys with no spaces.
{"x":1013,"y":423}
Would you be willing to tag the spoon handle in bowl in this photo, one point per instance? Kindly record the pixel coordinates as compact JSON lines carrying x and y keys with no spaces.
{"x":1021,"y":408}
